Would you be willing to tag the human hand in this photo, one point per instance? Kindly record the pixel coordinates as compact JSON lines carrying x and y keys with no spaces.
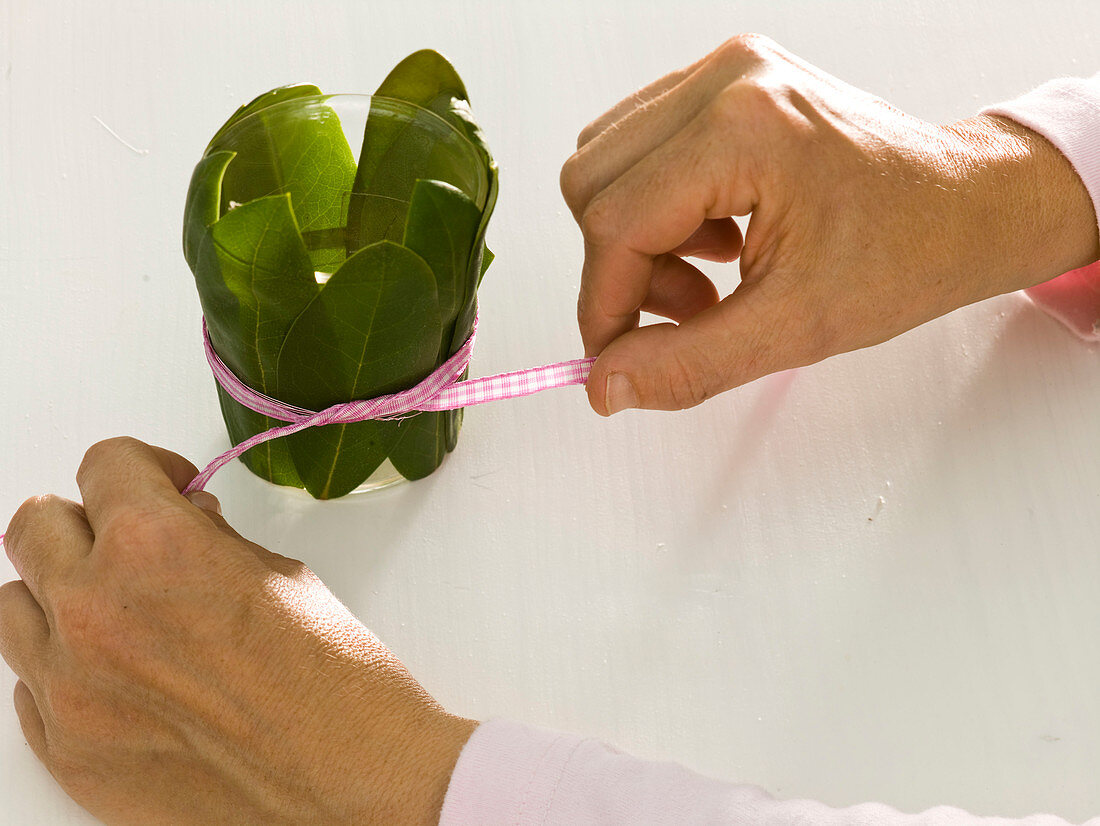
{"x":865,"y":222}
{"x":171,"y":671}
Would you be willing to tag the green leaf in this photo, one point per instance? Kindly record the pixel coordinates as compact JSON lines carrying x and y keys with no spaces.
{"x":427,"y":79}
{"x":222,"y":310}
{"x":441,"y":228}
{"x":270,"y":460}
{"x":280,"y":94}
{"x":475,"y":270}
{"x":486,"y":259}
{"x":300,"y":150}
{"x":254,"y":278}
{"x":375,"y":327}
{"x":203,"y":199}
{"x":264,"y":264}
{"x":395,"y":153}
{"x":421,"y":444}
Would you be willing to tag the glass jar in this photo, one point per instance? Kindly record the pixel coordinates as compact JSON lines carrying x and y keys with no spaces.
{"x":299,"y":147}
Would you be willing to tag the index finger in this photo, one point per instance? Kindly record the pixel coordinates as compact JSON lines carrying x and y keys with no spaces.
{"x":653,"y":208}
{"x":637,"y":100}
{"x":124,"y":472}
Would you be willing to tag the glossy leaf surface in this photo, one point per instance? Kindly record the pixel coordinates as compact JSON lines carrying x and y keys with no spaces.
{"x":332,"y":353}
{"x":203,"y":200}
{"x":256,"y":262}
{"x":395,"y":154}
{"x":297,"y":148}
{"x":441,"y":228}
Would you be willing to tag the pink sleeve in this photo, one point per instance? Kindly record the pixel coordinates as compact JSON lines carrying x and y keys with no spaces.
{"x":1067,"y":113}
{"x":514,"y":774}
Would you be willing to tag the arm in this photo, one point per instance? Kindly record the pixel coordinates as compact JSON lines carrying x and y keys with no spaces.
{"x":865,"y":222}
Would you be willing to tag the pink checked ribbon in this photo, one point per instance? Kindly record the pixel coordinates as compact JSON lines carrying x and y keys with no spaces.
{"x":442,"y":390}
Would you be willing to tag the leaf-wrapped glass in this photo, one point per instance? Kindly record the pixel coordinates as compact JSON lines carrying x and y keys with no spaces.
{"x":324,"y":279}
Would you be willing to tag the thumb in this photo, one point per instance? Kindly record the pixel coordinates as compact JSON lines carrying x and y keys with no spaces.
{"x":211,"y":508}
{"x":671,"y":367}
{"x":205,"y":500}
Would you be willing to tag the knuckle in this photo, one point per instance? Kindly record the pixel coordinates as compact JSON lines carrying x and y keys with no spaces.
{"x":589,"y":133}
{"x":590,"y":314}
{"x":749,"y":97}
{"x":37,"y":515}
{"x":610,"y":123}
{"x":597,"y":222}
{"x":102,"y":450}
{"x":743,"y":49}
{"x":757,"y":44}
{"x":13,"y":595}
{"x":574,"y":182}
{"x":584,"y":306}
{"x":754,"y":108}
{"x":288,"y":567}
{"x":31,"y":509}
{"x":20,"y":521}
{"x":8,"y":589}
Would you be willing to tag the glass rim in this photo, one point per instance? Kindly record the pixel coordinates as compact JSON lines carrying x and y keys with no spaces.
{"x":397,"y":103}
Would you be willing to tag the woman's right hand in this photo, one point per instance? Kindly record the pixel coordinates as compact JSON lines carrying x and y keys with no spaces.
{"x":865,"y":222}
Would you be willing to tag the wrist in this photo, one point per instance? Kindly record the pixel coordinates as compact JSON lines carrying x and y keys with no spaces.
{"x":420,"y":762}
{"x":1030,"y":215}
{"x":435,"y":758}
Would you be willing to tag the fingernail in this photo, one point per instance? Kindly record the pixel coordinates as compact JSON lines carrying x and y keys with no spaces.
{"x":620,"y":394}
{"x":204,"y":500}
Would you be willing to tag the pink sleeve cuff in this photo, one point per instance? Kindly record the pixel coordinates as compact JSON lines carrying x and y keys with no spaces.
{"x":1067,"y":113}
{"x":506,"y":773}
{"x":510,"y":773}
{"x":518,"y":775}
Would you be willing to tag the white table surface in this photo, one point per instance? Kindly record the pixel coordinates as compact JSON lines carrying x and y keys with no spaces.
{"x":875,"y":578}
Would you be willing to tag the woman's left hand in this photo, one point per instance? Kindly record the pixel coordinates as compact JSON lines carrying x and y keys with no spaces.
{"x":170,"y":671}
